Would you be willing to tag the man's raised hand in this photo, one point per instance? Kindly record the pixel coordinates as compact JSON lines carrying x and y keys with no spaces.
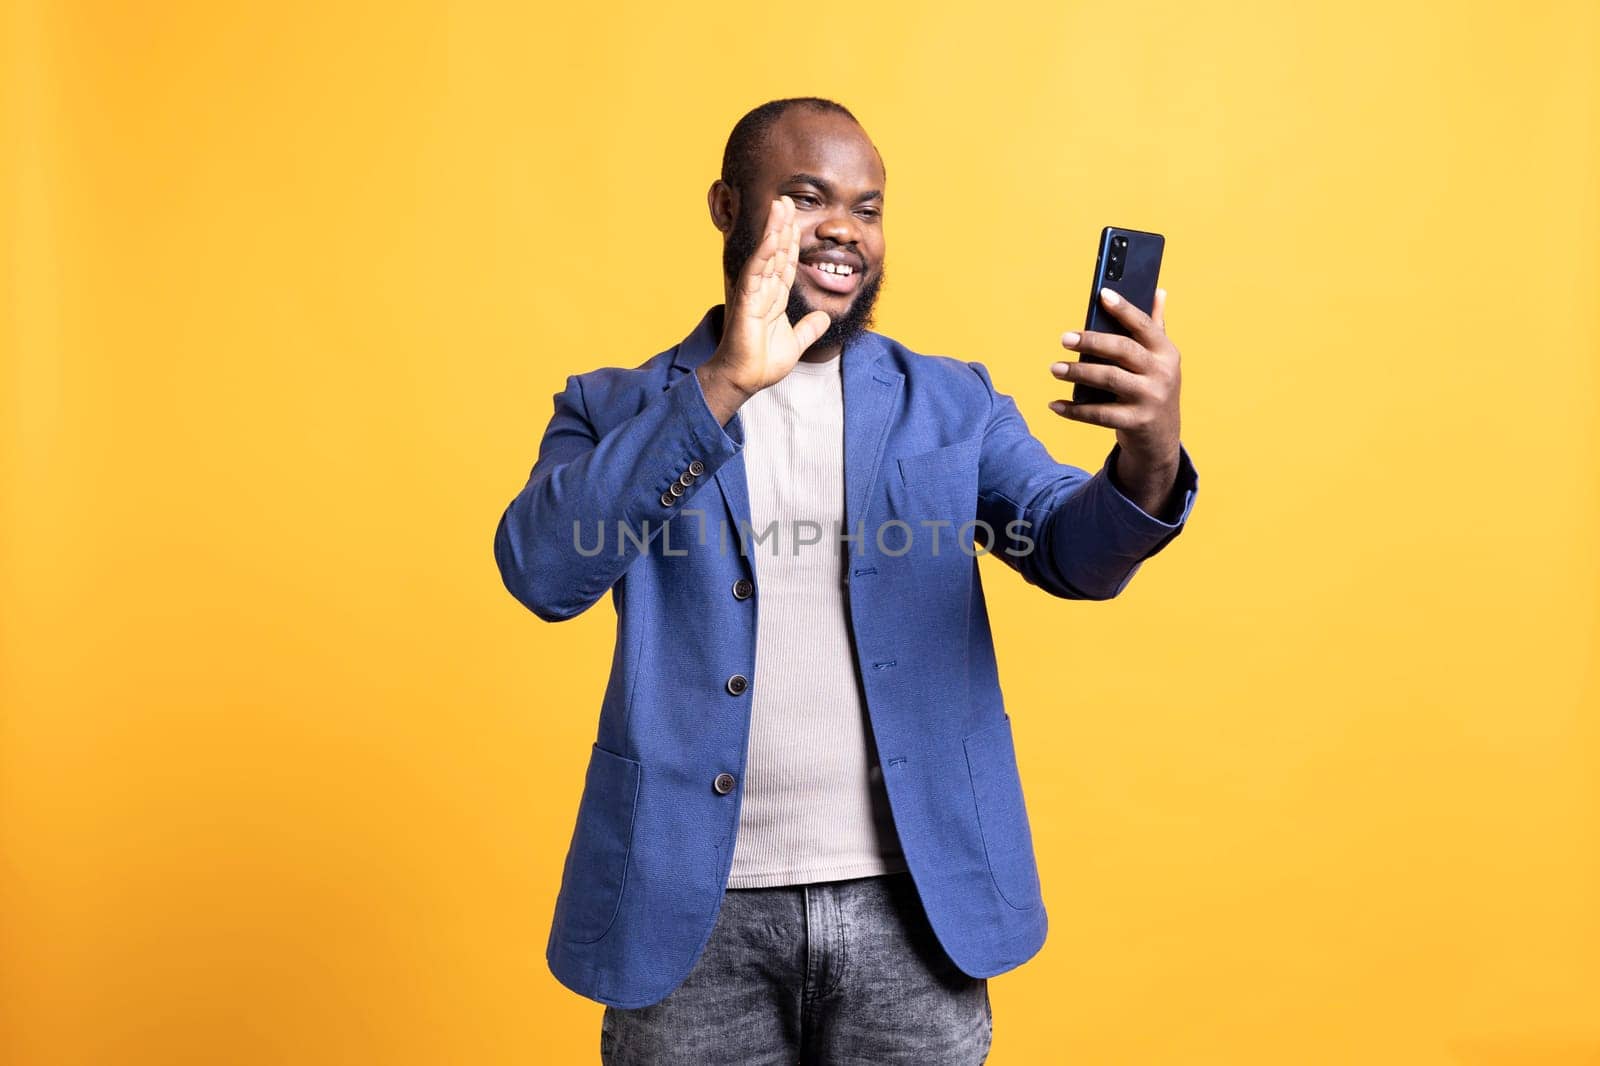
{"x":759,"y":346}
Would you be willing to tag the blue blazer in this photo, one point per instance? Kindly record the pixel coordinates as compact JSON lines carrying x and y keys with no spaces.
{"x":639,"y":491}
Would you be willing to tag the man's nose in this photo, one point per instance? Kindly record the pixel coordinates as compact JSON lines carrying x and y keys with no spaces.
{"x":839,"y":228}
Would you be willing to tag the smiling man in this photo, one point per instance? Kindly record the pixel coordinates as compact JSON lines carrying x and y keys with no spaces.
{"x":802,"y":834}
{"x":839,"y":273}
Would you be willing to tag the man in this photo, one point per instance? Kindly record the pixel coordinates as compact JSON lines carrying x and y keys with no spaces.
{"x":802,"y":834}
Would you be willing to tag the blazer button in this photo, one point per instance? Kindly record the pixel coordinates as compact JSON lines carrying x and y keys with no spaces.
{"x":675,"y":489}
{"x":723,"y":783}
{"x":743,"y":588}
{"x":668,"y":499}
{"x":738,"y":683}
{"x":696,"y":467}
{"x":686,"y":479}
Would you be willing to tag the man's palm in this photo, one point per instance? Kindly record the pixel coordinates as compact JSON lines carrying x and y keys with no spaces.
{"x":758,"y":342}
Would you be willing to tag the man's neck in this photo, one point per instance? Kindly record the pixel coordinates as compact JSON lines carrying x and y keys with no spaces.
{"x":818,"y":354}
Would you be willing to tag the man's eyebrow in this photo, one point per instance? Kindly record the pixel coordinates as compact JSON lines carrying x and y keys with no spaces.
{"x":812,"y":179}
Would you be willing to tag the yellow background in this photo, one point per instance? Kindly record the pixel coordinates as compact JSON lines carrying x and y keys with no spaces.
{"x":286,"y":776}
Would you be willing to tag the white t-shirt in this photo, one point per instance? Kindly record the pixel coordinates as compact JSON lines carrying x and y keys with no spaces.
{"x":814,"y":805}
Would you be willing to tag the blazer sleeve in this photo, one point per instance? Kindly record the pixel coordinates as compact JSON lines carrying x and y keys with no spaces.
{"x":1073,"y":534}
{"x":587,"y":492}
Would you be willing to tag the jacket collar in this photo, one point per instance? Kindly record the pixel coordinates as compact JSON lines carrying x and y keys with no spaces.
{"x":697,"y":347}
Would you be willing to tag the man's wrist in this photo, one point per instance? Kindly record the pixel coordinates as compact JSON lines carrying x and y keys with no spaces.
{"x":1148,"y":482}
{"x":723,"y":397}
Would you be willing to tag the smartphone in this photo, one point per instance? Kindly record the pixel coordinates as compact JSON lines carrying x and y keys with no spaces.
{"x":1128,"y":263}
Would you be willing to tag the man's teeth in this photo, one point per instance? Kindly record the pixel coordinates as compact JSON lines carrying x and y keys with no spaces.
{"x":835,"y":268}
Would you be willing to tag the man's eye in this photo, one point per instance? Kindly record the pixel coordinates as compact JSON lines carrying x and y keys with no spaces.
{"x":869,"y":212}
{"x":800,"y":197}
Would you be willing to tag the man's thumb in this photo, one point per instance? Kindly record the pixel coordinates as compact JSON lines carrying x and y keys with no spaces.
{"x":809,"y":328}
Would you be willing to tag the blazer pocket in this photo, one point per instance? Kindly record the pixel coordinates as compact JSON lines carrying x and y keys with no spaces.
{"x":1002,"y":815}
{"x":597,"y":858}
{"x":937,"y":464}
{"x":940,"y":484}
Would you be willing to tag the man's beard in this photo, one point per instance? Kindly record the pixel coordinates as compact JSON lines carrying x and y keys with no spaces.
{"x":842,"y":329}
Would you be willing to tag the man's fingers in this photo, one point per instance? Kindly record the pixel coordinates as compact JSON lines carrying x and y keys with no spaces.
{"x":749,"y":284}
{"x":766,"y":266}
{"x":760,"y":261}
{"x":774,"y":261}
{"x":791,"y":261}
{"x":791,"y":248}
{"x":1113,"y":379}
{"x":1144,"y":330}
{"x":777,"y":264}
{"x":1123,"y":351}
{"x":782,"y":216}
{"x":775,"y":302}
{"x":809,"y":328}
{"x":758,"y":266}
{"x":1110,"y":415}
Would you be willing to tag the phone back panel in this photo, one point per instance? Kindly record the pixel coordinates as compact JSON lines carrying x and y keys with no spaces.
{"x":1140,"y":274}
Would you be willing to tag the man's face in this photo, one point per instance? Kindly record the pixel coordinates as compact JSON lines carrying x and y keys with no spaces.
{"x":826,"y":165}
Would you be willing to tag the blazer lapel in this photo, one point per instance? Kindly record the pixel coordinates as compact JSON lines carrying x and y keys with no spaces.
{"x":871,"y":387}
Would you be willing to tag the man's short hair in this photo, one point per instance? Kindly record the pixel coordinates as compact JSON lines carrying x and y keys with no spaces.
{"x":739,"y":158}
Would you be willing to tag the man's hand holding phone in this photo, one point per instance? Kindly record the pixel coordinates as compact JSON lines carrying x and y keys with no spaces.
{"x":1142,"y":371}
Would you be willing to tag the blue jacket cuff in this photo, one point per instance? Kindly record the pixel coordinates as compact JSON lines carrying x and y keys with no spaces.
{"x":1136,"y":519}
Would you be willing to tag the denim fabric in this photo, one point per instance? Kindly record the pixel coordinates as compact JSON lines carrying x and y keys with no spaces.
{"x":842,"y":973}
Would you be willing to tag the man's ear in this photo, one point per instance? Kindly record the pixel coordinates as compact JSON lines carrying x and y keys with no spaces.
{"x":723,"y":200}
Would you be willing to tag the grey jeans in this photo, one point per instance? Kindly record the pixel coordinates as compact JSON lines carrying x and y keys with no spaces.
{"x":833,"y":972}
